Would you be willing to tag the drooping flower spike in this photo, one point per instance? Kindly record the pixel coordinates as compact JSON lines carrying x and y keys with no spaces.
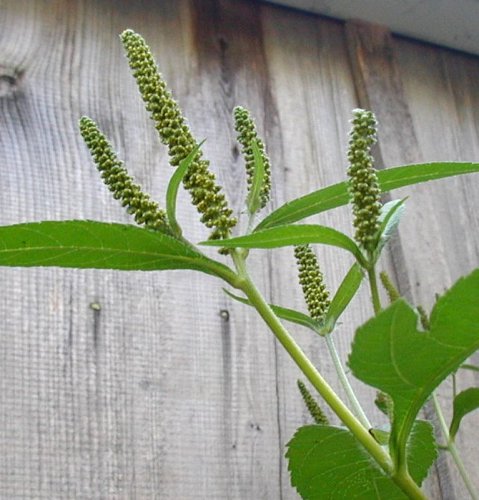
{"x":313,"y":407}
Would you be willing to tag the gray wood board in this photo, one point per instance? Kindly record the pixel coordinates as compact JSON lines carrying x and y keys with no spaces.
{"x":170,"y":390}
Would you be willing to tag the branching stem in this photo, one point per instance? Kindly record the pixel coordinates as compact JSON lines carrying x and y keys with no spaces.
{"x":382,"y":458}
{"x":451,"y":447}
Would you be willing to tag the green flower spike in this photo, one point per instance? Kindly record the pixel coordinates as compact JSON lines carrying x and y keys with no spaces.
{"x":314,"y":409}
{"x":391,"y":290}
{"x":363,"y":184}
{"x":311,"y":279}
{"x":175,"y":134}
{"x":115,"y":176}
{"x":247,"y":134}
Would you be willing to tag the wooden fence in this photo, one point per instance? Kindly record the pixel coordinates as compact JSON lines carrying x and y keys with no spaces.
{"x":118,"y":385}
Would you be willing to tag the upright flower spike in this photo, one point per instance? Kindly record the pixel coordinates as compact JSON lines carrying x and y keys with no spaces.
{"x":205,"y":194}
{"x":115,"y":176}
{"x":363,"y":181}
{"x":247,"y":134}
{"x":311,"y":280}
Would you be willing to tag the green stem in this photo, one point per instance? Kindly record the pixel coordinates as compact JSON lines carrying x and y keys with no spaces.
{"x":223,"y":272}
{"x":403,"y":480}
{"x":451,"y":447}
{"x":353,"y":400}
{"x":373,"y":283}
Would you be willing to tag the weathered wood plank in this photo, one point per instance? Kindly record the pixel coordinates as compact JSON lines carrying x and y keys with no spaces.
{"x":379,"y":79}
{"x":168,"y":389}
{"x":447,"y":128}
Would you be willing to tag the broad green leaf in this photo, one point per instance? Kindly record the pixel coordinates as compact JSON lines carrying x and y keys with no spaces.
{"x":327,"y":462}
{"x":346,"y":291}
{"x":391,"y":354}
{"x":99,"y":245}
{"x":173,"y":186}
{"x":337,"y":195}
{"x":291,"y":235}
{"x":391,"y":214}
{"x":465,"y":402}
{"x":284,"y":313}
{"x":254,"y":196}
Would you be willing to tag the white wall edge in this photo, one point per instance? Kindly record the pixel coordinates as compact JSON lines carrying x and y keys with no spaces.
{"x":450,"y":23}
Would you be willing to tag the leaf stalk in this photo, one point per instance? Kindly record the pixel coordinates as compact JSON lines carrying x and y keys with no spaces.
{"x":343,"y":379}
{"x":451,"y":447}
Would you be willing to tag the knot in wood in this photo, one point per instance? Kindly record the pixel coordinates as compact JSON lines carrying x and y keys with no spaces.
{"x":9,"y":80}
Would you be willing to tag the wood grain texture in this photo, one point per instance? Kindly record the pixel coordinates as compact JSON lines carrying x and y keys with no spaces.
{"x":389,"y":74}
{"x":169,"y":390}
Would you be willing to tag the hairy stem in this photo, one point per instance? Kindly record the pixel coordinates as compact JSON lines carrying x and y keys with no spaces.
{"x":373,"y":284}
{"x":451,"y":447}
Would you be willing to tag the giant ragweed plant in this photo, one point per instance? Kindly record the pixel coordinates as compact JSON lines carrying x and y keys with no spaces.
{"x":401,"y":351}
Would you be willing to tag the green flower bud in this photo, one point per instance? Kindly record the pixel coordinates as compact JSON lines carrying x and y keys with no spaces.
{"x":311,"y":279}
{"x":313,"y":407}
{"x":205,"y":194}
{"x":363,"y":181}
{"x":384,"y":402}
{"x":115,"y":176}
{"x":247,"y":134}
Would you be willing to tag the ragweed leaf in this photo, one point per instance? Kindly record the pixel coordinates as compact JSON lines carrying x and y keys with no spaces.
{"x":465,"y":402}
{"x":291,"y":235}
{"x":343,"y":296}
{"x":100,"y":245}
{"x":327,"y":462}
{"x":173,"y":186}
{"x":254,"y":196}
{"x":336,"y":195}
{"x":391,"y":354}
{"x":391,"y":214}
